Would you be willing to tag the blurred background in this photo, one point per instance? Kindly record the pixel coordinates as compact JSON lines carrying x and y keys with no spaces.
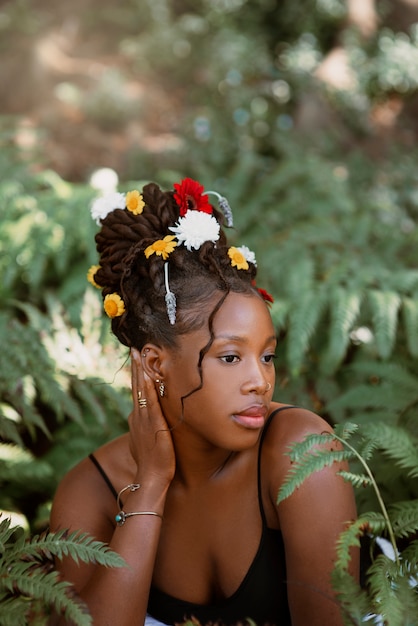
{"x":303,"y":113}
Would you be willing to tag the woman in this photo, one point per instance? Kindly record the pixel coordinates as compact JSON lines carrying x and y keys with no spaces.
{"x":188,"y":496}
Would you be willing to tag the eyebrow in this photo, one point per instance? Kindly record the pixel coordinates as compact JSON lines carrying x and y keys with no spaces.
{"x":239,"y":339}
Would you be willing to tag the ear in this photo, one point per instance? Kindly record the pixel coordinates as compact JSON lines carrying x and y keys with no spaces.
{"x":154,"y":360}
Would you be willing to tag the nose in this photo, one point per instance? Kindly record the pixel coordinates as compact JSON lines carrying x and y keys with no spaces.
{"x":257,"y":381}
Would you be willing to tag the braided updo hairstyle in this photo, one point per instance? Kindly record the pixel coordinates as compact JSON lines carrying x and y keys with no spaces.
{"x":195,"y":276}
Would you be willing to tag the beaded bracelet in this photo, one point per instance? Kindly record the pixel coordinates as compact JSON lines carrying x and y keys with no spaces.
{"x":121,"y":517}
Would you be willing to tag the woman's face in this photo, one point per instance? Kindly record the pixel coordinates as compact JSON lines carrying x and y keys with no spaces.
{"x":237,"y":375}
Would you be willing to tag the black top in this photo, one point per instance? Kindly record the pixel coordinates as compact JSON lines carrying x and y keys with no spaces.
{"x":260,"y":598}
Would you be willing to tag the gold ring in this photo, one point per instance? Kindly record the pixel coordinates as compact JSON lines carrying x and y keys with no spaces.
{"x":142,"y":403}
{"x":139,"y":395}
{"x":268,"y":387}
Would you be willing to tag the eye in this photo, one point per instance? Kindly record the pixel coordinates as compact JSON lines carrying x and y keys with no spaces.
{"x":230,"y":358}
{"x":269,"y":358}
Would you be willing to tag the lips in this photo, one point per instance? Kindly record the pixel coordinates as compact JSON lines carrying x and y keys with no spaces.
{"x":252,"y":417}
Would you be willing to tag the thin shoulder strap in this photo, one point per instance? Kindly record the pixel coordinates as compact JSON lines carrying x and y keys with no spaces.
{"x":104,"y":475}
{"x":263,"y":434}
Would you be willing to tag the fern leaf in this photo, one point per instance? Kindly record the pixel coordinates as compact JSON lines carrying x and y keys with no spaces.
{"x":79,"y":546}
{"x":366,"y":448}
{"x":83,"y":391}
{"x":404,"y":518}
{"x":345,"y":430}
{"x":385,"y":306}
{"x":410,"y":555}
{"x":13,"y":612}
{"x":393,"y":595}
{"x":397,"y":443}
{"x":354,"y":600}
{"x":310,"y":463}
{"x":303,"y":321}
{"x":33,"y":582}
{"x":279,"y":312}
{"x":299,"y":449}
{"x":344,"y":309}
{"x":357,"y":480}
{"x":410,"y":321}
{"x":368,"y":523}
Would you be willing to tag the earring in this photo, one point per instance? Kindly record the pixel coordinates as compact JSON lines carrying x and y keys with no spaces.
{"x":161,"y":387}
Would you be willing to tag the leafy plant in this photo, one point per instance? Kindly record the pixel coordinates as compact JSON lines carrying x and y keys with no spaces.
{"x":28,"y":581}
{"x":389,"y":594}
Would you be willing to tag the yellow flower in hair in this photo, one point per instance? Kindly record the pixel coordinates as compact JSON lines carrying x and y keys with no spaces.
{"x":91,"y":274}
{"x":113,"y":305}
{"x":161,"y":247}
{"x":238,"y":260}
{"x":134,"y":202}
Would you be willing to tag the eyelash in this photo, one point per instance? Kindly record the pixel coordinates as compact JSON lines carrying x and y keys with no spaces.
{"x":269,"y":358}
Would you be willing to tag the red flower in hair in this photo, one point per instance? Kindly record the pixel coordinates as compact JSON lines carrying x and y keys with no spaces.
{"x":264,"y":294}
{"x":189,"y":195}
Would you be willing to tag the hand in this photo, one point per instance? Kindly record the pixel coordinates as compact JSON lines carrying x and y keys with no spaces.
{"x":150,"y":439}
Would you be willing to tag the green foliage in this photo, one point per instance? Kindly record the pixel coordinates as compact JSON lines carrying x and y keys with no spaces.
{"x":28,"y":581}
{"x":323,"y":194}
{"x":390,"y":591}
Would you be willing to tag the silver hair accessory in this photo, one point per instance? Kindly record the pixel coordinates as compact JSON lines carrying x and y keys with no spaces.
{"x":224,"y":205}
{"x":170,"y":298}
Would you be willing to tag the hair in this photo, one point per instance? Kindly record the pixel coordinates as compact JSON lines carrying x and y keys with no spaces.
{"x":195,"y":276}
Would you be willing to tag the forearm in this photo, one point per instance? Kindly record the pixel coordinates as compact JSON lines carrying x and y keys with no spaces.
{"x":120,"y":595}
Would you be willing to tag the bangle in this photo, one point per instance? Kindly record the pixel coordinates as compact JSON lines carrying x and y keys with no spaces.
{"x":121,"y":517}
{"x":133,"y":487}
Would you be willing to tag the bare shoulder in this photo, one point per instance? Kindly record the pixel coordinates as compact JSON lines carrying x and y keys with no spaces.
{"x":287,"y":426}
{"x":291,"y":424}
{"x":84,"y":500}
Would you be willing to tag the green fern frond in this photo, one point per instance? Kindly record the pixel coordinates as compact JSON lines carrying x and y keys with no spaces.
{"x":307,"y":465}
{"x":33,"y":582}
{"x":345,"y":430}
{"x":393,"y":373}
{"x":369,"y":523}
{"x":78,"y":546}
{"x":410,"y":321}
{"x":357,"y":480}
{"x":410,"y":555}
{"x":83,"y":391}
{"x":344,"y":309}
{"x":404,"y":518}
{"x":279,"y":312}
{"x":13,"y":612}
{"x":385,"y":306}
{"x":354,"y":600}
{"x":397,"y":443}
{"x":364,"y":397}
{"x":394,"y":598}
{"x":299,"y":449}
{"x":304,"y":318}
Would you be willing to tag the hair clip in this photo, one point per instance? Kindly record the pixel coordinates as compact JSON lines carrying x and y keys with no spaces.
{"x":170,"y":298}
{"x":224,"y":205}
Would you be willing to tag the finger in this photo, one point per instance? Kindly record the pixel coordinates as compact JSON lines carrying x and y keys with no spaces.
{"x":136,"y":377}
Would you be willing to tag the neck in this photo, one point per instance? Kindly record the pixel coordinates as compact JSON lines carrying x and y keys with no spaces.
{"x":197,"y":465}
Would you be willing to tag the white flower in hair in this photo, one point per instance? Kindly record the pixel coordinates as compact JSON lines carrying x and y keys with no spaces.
{"x":248,"y":254}
{"x":195,"y":228}
{"x":104,"y":205}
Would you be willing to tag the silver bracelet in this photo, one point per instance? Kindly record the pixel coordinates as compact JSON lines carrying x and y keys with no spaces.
{"x":121,"y":517}
{"x":132,"y":487}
